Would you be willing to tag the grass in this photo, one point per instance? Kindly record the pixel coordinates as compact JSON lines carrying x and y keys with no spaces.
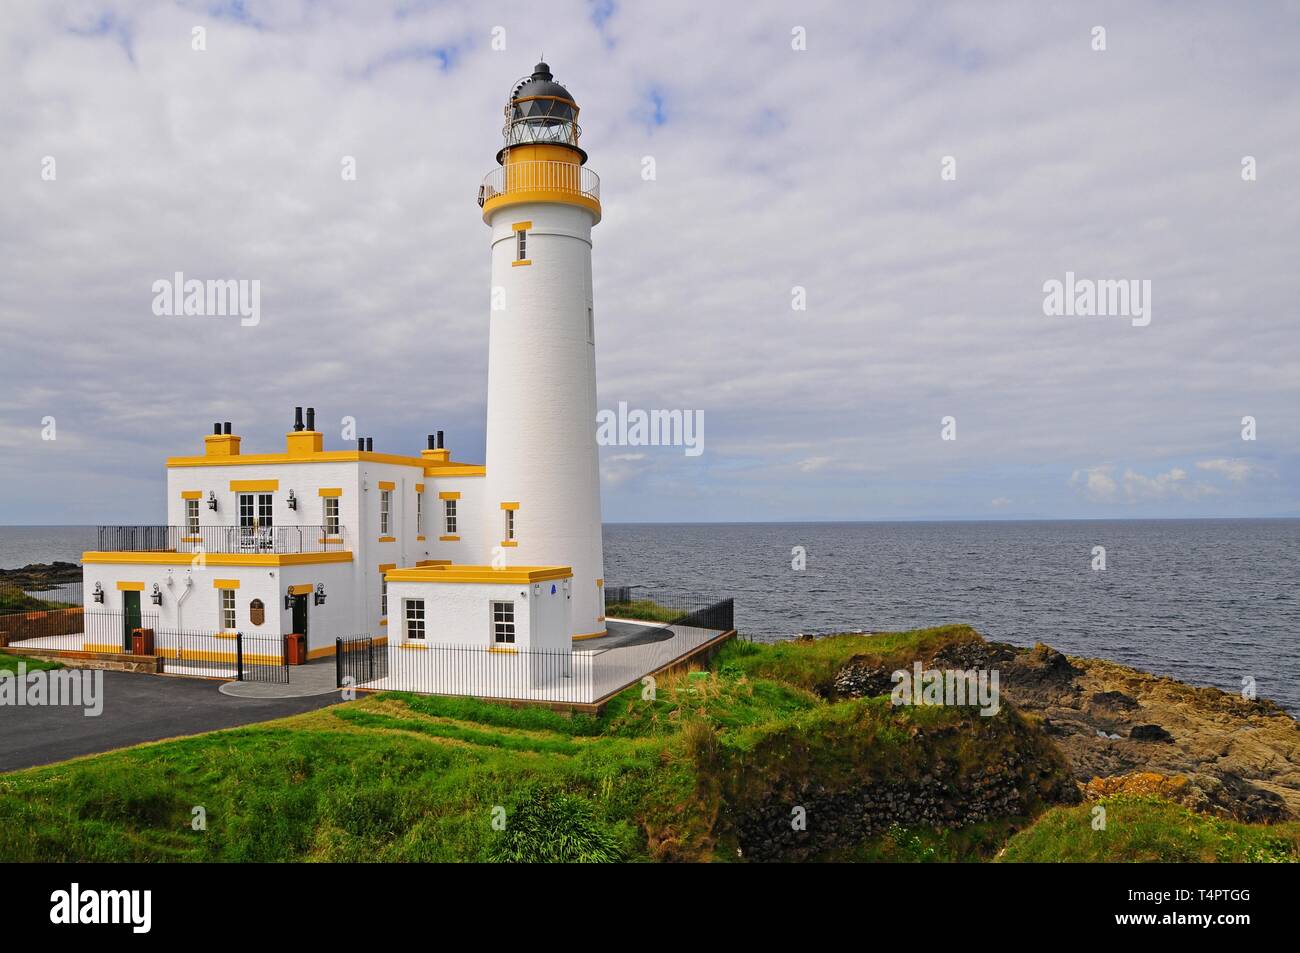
{"x":644,"y":609}
{"x":1143,"y":828}
{"x":9,"y":663}
{"x":399,"y":777}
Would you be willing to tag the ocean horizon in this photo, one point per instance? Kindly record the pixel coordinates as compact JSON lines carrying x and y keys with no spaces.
{"x":1209,"y":601}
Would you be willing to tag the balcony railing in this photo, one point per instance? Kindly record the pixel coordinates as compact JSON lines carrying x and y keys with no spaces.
{"x":218,"y":539}
{"x":548,"y":175}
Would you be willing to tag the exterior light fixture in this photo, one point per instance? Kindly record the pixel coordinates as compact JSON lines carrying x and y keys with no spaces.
{"x":320,"y":594}
{"x":156,"y":596}
{"x":212,"y":500}
{"x":292,"y":500}
{"x":98,"y":592}
{"x":288,"y":600}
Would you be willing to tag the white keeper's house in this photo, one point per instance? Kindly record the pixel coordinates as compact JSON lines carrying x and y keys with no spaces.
{"x":423,"y":549}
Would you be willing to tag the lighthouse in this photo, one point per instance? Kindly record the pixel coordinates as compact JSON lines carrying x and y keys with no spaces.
{"x":542,"y":493}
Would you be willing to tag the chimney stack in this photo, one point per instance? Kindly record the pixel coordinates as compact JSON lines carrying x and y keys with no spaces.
{"x":221,"y":443}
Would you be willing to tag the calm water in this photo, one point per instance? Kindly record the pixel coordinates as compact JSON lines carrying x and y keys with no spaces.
{"x":1206,"y":601}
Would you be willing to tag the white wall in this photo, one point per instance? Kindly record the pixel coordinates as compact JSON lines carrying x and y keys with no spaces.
{"x":541,"y":443}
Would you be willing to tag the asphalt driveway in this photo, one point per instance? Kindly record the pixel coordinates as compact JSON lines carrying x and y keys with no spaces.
{"x":137,"y":708}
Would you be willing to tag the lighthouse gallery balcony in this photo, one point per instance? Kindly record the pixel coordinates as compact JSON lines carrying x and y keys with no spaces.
{"x":539,"y":177}
{"x":269,"y":540}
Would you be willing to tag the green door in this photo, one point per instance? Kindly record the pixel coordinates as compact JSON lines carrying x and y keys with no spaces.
{"x":130,"y":617}
{"x":300,"y":615}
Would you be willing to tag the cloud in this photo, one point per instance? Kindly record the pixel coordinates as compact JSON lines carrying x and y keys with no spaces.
{"x":923,"y":295}
{"x":1236,"y":470}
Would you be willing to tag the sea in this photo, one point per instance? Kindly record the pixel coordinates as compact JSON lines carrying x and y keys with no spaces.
{"x":1210,"y":602}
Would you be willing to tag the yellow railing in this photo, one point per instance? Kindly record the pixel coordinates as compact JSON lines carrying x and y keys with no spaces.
{"x":540,"y":175}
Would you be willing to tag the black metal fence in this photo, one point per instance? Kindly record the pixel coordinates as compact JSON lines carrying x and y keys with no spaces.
{"x":207,"y":654}
{"x":218,"y":539}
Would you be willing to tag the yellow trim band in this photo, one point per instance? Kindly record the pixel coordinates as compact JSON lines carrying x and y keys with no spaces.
{"x":521,"y":226}
{"x":449,"y":539}
{"x":387,"y":539}
{"x":451,"y":572}
{"x":216,"y":559}
{"x":519,"y":263}
{"x":591,"y":635}
{"x":387,"y":485}
{"x":510,"y":542}
{"x":510,"y":506}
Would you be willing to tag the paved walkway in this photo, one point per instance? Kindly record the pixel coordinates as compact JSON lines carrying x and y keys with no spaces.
{"x":137,"y":708}
{"x":314,"y":678}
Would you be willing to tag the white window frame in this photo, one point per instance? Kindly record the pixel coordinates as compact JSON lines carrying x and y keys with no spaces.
{"x":413,"y":611}
{"x":385,"y":512}
{"x":510,"y":525}
{"x":449,"y":519}
{"x":330,"y":521}
{"x":226,"y":606}
{"x":501,"y":614}
{"x":383,"y":595}
{"x":419,"y":514}
{"x":191,"y":517}
{"x":521,"y":245}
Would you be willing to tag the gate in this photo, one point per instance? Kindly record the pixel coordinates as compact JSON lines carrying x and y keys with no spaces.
{"x":359,"y":660}
{"x":261,"y":658}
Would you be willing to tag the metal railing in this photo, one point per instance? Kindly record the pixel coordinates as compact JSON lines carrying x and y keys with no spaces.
{"x":217,"y":539}
{"x":548,"y":175}
{"x":210,"y":654}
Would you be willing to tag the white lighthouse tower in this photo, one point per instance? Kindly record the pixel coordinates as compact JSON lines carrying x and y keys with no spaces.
{"x":543,"y":474}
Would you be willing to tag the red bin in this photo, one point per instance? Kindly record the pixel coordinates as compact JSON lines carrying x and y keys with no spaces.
{"x":142,"y":641}
{"x":296,"y":649}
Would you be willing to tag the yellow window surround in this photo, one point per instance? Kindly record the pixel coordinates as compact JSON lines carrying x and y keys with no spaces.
{"x":330,"y":491}
{"x":130,"y":587}
{"x":387,"y":539}
{"x":225,"y":583}
{"x":510,"y":506}
{"x":191,"y":494}
{"x":521,"y":226}
{"x":301,"y":590}
{"x":509,"y":542}
{"x":254,"y":486}
{"x":387,"y":485}
{"x":449,"y":496}
{"x":449,"y":539}
{"x":504,"y":649}
{"x":419,"y":488}
{"x":519,"y":264}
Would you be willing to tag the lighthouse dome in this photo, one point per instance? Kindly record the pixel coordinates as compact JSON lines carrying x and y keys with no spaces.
{"x":540,"y":99}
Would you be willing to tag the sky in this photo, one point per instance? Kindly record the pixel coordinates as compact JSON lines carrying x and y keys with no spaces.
{"x":828,"y":229}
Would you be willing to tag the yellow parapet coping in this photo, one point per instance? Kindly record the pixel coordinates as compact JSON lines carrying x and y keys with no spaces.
{"x":450,"y":468}
{"x":515,"y":575}
{"x":216,"y":559}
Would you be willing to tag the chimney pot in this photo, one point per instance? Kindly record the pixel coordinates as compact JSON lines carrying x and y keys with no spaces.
{"x":311,"y":418}
{"x":226,"y":427}
{"x":439,"y":440}
{"x":433,"y":442}
{"x":297,"y":418}
{"x":216,"y":429}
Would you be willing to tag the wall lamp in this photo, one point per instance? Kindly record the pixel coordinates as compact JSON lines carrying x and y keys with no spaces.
{"x":212,"y":500}
{"x":98,"y":592}
{"x":156,"y":596}
{"x":319,"y":594}
{"x":292,"y":500}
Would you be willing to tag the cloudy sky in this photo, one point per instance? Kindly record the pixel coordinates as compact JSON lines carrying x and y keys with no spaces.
{"x":775,"y":168}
